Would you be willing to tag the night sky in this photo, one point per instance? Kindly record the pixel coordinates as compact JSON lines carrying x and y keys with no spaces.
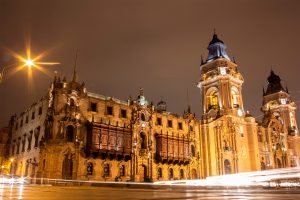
{"x":127,"y":44}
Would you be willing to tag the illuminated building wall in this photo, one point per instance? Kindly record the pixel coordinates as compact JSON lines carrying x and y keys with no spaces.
{"x":72,"y":133}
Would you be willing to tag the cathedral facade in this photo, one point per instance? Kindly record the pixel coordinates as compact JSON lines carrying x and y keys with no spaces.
{"x":72,"y":133}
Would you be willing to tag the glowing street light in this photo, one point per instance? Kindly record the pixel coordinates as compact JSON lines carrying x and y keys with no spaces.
{"x":27,"y":62}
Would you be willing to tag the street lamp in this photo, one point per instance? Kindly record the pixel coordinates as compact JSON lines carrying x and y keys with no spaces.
{"x":26,"y":62}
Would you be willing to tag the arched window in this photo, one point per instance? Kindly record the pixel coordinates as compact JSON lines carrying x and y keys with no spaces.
{"x":70,"y":133}
{"x":72,"y":102}
{"x":181,"y":174}
{"x":122,"y":170}
{"x":171,"y":173}
{"x":89,"y":168}
{"x":213,"y":100}
{"x":227,"y":166}
{"x":235,"y":98}
{"x":106,"y":169}
{"x":143,"y":140}
{"x":159,"y":172}
{"x":143,"y":117}
{"x":193,"y":152}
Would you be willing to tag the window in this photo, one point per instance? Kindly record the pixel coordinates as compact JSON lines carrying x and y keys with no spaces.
{"x":170,"y":125}
{"x":171,"y":173}
{"x":109,"y":110}
{"x":159,"y":173}
{"x":213,"y":100}
{"x":180,"y":125}
{"x":40,"y":110}
{"x":260,"y":138}
{"x":181,"y":174}
{"x":122,"y":170}
{"x":193,"y":150}
{"x":123,"y":113}
{"x":235,"y":97}
{"x":29,"y":141}
{"x":72,"y":102}
{"x":89,"y":168}
{"x":33,"y":115}
{"x":36,"y":136}
{"x":143,"y":117}
{"x":106,"y":170}
{"x":158,"y":120}
{"x":143,"y":141}
{"x":93,"y":107}
{"x":70,"y":133}
{"x":17,"y":126}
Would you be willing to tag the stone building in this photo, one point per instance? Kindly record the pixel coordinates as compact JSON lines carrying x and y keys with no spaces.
{"x":72,"y":133}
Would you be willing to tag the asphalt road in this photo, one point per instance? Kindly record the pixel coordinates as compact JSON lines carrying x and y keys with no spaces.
{"x":100,"y":193}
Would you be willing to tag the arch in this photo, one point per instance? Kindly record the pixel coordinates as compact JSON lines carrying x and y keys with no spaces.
{"x":279,"y":163}
{"x":235,"y":97}
{"x":122,"y":170}
{"x":194,"y":174}
{"x":72,"y":102}
{"x":212,"y":97}
{"x":171,"y":173}
{"x":143,"y":117}
{"x":89,"y":168}
{"x":143,"y":140}
{"x":227,"y":166}
{"x":263,"y":165}
{"x":106,"y":169}
{"x":181,"y":174}
{"x":70,"y":133}
{"x":67,"y":167}
{"x":159,"y":172}
{"x":143,"y":173}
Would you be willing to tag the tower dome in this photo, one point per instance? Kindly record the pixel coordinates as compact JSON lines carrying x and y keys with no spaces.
{"x":216,"y":49}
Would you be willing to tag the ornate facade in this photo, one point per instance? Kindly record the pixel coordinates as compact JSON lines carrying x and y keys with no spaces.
{"x":75,"y":134}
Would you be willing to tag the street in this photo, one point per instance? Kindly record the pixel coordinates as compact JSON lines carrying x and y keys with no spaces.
{"x":99,"y":193}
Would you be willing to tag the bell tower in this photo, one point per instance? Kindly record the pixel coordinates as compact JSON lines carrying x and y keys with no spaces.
{"x":220,"y":83}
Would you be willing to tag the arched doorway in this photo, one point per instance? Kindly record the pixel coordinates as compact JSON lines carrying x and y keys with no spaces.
{"x":67,"y":167}
{"x":279,"y":163}
{"x":263,"y":166}
{"x":171,"y":174}
{"x":194,"y":174}
{"x":227,"y":166}
{"x":70,"y":133}
{"x":143,"y":173}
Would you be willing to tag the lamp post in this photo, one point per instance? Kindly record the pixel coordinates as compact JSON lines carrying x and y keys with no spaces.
{"x":26,"y":62}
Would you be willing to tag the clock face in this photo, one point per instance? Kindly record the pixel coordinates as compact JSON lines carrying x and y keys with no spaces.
{"x":222,"y":70}
{"x":283,"y":101}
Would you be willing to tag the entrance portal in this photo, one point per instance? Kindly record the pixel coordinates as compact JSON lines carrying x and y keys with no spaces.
{"x":67,"y":167}
{"x":143,"y":173}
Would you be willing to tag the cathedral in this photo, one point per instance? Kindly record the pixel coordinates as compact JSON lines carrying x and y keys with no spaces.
{"x":72,"y":133}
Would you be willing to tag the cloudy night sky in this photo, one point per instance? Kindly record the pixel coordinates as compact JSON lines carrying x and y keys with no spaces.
{"x":154,"y":44}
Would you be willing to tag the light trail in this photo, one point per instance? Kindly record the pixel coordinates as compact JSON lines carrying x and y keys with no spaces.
{"x":279,"y":177}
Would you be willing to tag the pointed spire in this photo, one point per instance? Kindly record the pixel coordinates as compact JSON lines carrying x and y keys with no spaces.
{"x":264,"y":93}
{"x":75,"y":66}
{"x":287,"y":89}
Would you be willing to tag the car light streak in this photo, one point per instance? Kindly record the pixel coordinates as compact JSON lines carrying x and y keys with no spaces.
{"x":276,"y":177}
